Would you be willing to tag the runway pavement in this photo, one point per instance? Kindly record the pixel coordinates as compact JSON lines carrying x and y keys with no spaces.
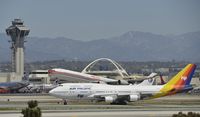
{"x":129,"y":113}
{"x":10,"y":106}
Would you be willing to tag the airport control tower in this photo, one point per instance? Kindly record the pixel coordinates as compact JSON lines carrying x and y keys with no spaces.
{"x":17,"y":31}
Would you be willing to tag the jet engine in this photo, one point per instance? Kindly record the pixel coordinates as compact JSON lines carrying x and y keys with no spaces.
{"x":133,"y":98}
{"x":109,"y":99}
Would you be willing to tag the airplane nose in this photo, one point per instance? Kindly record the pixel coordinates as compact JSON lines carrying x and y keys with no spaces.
{"x":51,"y":71}
{"x":52,"y":92}
{"x":56,"y":92}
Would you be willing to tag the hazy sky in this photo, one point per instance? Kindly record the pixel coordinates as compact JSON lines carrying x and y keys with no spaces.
{"x":95,"y":19}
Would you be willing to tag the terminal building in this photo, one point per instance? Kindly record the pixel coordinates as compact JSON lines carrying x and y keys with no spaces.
{"x":39,"y":77}
{"x":4,"y":77}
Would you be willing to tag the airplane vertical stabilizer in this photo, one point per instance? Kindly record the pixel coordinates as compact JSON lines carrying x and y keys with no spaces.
{"x":180,"y":82}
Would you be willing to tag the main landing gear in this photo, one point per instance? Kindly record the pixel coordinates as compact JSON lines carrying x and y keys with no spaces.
{"x":64,"y":101}
{"x":119,"y":103}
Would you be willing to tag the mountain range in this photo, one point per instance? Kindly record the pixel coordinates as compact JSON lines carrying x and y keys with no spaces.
{"x":130,"y":46}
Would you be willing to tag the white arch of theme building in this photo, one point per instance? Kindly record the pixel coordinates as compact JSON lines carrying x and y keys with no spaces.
{"x":121,"y":71}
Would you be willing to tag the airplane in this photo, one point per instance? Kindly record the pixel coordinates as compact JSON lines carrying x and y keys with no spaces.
{"x":122,"y":94}
{"x":162,"y":80}
{"x":38,"y":88}
{"x":12,"y":87}
{"x":73,"y":76}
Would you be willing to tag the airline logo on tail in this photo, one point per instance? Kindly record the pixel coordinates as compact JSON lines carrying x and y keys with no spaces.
{"x":179,"y":83}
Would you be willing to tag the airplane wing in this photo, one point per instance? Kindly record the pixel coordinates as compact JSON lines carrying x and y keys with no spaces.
{"x":97,"y":95}
{"x":111,"y":97}
{"x":116,"y":97}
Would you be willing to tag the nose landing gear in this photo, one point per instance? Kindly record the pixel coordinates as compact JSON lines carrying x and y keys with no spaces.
{"x":64,"y":101}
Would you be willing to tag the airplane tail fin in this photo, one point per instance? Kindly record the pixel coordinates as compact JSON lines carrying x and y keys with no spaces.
{"x":181,"y":81}
{"x":25,"y":78}
{"x":150,"y":81}
{"x":56,"y":81}
{"x":162,"y":82}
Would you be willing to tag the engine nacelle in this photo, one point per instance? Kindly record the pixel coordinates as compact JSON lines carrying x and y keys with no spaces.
{"x":133,"y":98}
{"x":123,"y":82}
{"x":109,"y":99}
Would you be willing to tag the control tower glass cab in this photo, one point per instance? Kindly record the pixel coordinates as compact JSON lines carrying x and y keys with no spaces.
{"x":17,"y":31}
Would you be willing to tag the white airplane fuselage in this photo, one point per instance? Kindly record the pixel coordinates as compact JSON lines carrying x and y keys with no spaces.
{"x":91,"y":90}
{"x":78,"y":76}
{"x":74,"y":76}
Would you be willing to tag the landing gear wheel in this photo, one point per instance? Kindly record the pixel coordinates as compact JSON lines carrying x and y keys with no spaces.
{"x":65,"y":102}
{"x":123,"y":103}
{"x":119,"y":103}
{"x":112,"y":103}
